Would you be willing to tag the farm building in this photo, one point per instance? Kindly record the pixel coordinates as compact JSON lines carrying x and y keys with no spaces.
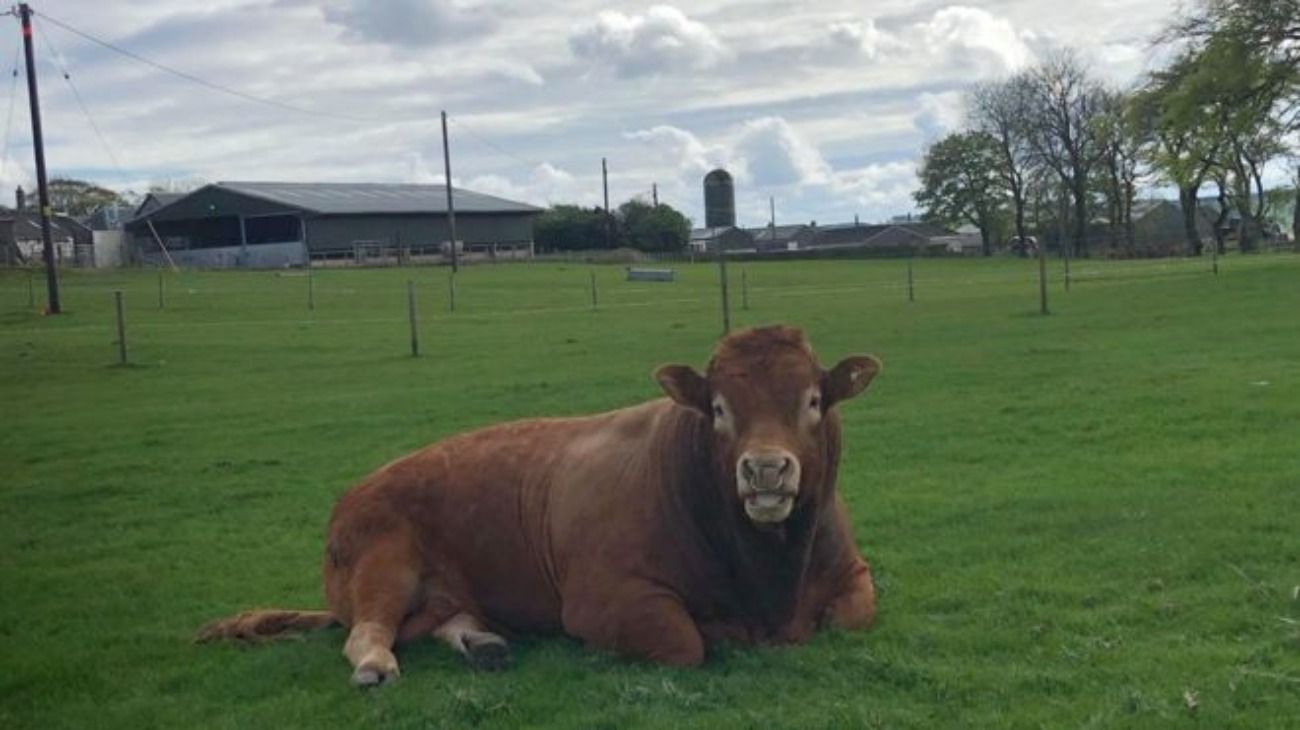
{"x":271,"y":224}
{"x":21,"y":242}
{"x":732,"y":239}
{"x":881,"y":236}
{"x":781,"y":238}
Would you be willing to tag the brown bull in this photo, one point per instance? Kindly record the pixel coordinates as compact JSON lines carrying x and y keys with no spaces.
{"x":650,"y":531}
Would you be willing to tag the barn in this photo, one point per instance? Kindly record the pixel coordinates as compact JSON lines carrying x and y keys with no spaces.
{"x":273,"y":224}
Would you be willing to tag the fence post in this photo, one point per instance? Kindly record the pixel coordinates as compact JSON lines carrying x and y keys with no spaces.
{"x":451,"y":290}
{"x":121,"y":326}
{"x":744,"y":289}
{"x":1067,"y":271}
{"x":311,"y":289}
{"x":415,"y":329}
{"x":594,"y":301}
{"x":911,"y":289}
{"x":1214,"y":256}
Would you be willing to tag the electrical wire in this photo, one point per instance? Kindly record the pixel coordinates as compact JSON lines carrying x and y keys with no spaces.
{"x":211,"y":85}
{"x":57,"y":60}
{"x":492,"y":145}
{"x":9,"y":118}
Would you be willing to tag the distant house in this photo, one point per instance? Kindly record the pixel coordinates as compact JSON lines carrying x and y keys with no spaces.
{"x":22,"y":243}
{"x":781,"y":238}
{"x":881,"y":235}
{"x":728,"y":238}
{"x":272,"y":224}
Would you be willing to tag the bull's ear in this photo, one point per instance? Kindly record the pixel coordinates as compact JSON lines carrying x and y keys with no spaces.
{"x":848,"y":378}
{"x":686,"y":386}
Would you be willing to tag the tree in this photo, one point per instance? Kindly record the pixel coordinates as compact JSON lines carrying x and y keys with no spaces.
{"x":1064,"y":102}
{"x":1000,"y":110}
{"x":652,"y":228}
{"x":78,"y":197}
{"x":570,"y":228}
{"x":1179,"y":150}
{"x":960,"y":183}
{"x":1120,"y":140}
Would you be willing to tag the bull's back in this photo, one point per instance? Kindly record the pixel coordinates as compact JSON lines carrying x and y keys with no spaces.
{"x":486,"y":507}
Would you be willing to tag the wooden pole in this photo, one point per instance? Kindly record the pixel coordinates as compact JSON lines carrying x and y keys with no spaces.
{"x":594,"y":300}
{"x":415,"y":328}
{"x":311,"y":289}
{"x":1042,"y":277}
{"x":451,"y":204}
{"x":451,"y":290}
{"x":911,"y":287}
{"x":1067,"y":271}
{"x":744,"y":289}
{"x":52,"y":304}
{"x":121,"y":326}
{"x":722,"y":275}
{"x":1214,"y":256}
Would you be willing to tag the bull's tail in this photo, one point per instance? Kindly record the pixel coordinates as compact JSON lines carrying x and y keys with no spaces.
{"x":261,"y":625}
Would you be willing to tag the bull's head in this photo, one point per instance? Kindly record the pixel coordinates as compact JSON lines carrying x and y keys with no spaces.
{"x":770,"y":405}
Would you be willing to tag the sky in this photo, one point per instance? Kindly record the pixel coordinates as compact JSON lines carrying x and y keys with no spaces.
{"x":824,"y":107}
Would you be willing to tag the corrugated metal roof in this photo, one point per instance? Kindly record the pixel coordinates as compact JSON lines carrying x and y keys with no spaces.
{"x":361,"y":198}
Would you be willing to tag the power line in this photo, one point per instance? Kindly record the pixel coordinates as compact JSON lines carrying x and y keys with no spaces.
{"x":211,"y":85}
{"x":57,"y":60}
{"x":13,"y":102}
{"x":489,"y":143}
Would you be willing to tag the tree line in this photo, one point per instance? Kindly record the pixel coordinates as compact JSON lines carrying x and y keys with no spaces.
{"x":634,"y":224}
{"x":1054,"y":147}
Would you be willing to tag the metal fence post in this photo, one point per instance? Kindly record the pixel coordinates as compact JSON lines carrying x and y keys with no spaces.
{"x":121,"y":326}
{"x":415,"y":328}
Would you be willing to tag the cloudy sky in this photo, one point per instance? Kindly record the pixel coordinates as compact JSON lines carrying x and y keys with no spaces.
{"x":823,"y":105}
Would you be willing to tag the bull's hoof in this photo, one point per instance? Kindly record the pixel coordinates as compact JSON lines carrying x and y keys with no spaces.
{"x":374,"y":674}
{"x":489,"y":653}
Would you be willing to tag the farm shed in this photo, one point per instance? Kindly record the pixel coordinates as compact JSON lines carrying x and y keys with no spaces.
{"x":271,"y":224}
{"x":732,"y":239}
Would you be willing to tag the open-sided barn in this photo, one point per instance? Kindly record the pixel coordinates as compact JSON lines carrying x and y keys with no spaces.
{"x":270,"y":224}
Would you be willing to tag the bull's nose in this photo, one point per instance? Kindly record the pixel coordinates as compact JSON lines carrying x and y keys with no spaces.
{"x":766,"y":471}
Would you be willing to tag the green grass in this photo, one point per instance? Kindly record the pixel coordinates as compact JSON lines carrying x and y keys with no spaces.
{"x":1074,"y":520}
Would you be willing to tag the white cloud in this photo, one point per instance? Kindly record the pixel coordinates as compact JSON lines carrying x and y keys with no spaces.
{"x":412,"y":23}
{"x":663,"y":39}
{"x":975,"y":40}
{"x":680,"y":149}
{"x":860,"y":36}
{"x":771,"y":153}
{"x":940,"y":113}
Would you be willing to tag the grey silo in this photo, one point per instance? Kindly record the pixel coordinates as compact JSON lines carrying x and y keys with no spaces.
{"x":719,"y":200}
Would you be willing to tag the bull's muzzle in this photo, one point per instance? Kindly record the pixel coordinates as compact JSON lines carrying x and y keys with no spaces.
{"x":767,"y":481}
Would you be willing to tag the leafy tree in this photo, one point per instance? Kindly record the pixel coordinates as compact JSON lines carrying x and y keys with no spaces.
{"x":1120,"y":140}
{"x":1064,"y":103}
{"x":1000,"y":110}
{"x":78,"y":197}
{"x":570,"y":228}
{"x":960,"y":183}
{"x":646,"y":227}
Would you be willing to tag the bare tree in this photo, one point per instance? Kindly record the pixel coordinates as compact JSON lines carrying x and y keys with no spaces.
{"x":1064,"y":105}
{"x":1000,"y":111}
{"x":1120,"y":141}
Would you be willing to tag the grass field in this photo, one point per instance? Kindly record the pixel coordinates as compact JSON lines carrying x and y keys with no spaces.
{"x":1090,"y":519}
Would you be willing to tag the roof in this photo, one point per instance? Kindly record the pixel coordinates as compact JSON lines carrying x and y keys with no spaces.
{"x":708,"y":234}
{"x":782,"y":232}
{"x":358,"y":198}
{"x":25,"y":225}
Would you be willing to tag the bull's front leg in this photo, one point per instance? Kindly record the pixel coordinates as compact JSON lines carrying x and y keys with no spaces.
{"x":854,"y":606}
{"x":639,"y":620}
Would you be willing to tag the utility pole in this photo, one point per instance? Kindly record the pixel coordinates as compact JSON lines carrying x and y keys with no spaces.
{"x":771,"y":208}
{"x":654,"y":193}
{"x":604,"y":181}
{"x":38,"y":142}
{"x":451,"y":206}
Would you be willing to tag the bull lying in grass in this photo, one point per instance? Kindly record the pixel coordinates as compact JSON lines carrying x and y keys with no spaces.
{"x":651,"y":531}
